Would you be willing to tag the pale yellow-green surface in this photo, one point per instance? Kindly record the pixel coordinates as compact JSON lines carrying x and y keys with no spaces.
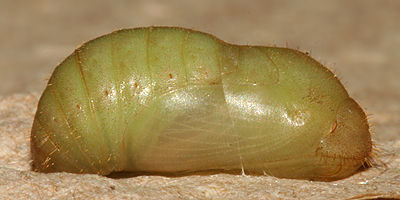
{"x":358,"y":40}
{"x":198,"y":104}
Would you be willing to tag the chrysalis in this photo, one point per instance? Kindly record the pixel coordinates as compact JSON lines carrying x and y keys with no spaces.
{"x":173,"y":100}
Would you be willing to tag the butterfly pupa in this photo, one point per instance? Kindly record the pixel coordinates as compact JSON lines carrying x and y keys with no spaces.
{"x":174,"y":100}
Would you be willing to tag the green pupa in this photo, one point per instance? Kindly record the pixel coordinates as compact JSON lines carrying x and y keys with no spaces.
{"x":173,"y":100}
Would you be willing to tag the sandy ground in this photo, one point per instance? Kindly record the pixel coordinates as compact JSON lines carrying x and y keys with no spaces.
{"x":358,"y":40}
